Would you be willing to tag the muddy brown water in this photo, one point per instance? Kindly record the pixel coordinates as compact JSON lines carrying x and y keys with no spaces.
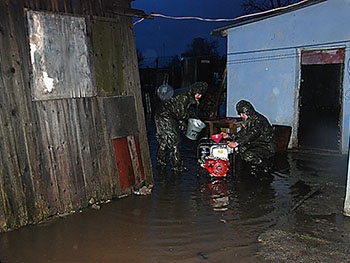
{"x":187,"y":218}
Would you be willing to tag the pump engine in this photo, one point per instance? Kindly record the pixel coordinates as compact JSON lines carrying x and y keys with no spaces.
{"x":214,"y":157}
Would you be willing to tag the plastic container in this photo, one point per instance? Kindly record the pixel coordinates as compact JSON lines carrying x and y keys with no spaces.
{"x":216,"y":137}
{"x":194,"y":128}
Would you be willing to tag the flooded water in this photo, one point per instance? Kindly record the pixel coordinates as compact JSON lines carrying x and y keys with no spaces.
{"x":187,"y":218}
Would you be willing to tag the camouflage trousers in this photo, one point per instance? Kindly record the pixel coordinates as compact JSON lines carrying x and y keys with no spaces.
{"x":168,"y":138}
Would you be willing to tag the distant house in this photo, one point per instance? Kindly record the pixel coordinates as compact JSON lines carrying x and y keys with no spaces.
{"x":72,"y":126}
{"x":293,"y":64}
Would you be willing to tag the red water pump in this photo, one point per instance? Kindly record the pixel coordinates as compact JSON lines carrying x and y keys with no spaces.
{"x":216,"y":167}
{"x":214,"y":156}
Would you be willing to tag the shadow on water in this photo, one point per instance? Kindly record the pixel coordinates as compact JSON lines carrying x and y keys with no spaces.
{"x":189,"y":217}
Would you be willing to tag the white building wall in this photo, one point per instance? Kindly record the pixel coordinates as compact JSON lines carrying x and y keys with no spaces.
{"x":263,"y":60}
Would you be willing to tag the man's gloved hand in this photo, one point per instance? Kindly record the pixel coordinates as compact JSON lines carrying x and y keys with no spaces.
{"x":183,"y":126}
{"x":227,"y":136}
{"x":193,"y":115}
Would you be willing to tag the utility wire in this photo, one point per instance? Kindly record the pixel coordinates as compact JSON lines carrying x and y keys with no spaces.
{"x":194,"y":18}
{"x":218,"y":19}
{"x":138,"y":21}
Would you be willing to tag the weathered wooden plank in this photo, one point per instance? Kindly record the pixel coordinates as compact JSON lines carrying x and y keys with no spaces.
{"x":134,"y":159}
{"x":139,"y":156}
{"x":19,"y":168}
{"x":132,"y":82}
{"x":74,"y":157}
{"x":106,"y":42}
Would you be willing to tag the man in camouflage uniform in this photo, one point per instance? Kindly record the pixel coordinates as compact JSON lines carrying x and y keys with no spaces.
{"x":172,"y":115}
{"x":255,"y":142}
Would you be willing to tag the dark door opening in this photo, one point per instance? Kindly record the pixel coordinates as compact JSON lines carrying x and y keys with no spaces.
{"x":320,"y":106}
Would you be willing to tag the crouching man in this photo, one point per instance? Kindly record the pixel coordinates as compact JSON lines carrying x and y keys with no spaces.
{"x":255,"y":142}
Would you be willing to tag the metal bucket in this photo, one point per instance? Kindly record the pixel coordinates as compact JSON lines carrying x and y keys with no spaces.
{"x":194,"y":128}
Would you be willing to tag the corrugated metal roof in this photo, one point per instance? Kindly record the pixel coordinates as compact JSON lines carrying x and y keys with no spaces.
{"x":222,"y":31}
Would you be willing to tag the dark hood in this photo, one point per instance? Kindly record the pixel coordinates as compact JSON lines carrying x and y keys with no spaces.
{"x":245,"y":107}
{"x":198,"y":87}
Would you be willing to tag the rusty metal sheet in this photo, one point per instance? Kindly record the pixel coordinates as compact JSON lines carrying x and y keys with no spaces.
{"x":326,"y":56}
{"x":121,"y":116}
{"x":126,"y":173}
{"x":59,"y":56}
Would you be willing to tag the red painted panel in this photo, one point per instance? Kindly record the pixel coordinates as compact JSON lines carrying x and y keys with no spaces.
{"x":137,"y":143}
{"x":124,"y":165}
{"x":326,"y":56}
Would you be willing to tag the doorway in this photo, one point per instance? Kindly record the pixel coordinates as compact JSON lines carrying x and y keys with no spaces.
{"x":320,"y":99}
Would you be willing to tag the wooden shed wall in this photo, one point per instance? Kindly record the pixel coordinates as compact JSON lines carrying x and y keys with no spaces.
{"x":56,"y":154}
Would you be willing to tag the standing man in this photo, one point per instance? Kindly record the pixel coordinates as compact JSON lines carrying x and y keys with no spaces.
{"x":172,"y":115}
{"x":255,"y":142}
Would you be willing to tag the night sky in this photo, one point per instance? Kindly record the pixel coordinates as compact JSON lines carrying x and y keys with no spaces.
{"x":161,"y":37}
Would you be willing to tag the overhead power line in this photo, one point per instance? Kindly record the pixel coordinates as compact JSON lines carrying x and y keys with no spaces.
{"x":152,"y":15}
{"x":194,"y":18}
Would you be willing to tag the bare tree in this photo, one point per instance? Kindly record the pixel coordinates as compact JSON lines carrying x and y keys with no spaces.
{"x":252,"y":6}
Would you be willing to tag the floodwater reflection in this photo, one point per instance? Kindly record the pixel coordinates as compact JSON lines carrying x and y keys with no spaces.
{"x":189,"y":217}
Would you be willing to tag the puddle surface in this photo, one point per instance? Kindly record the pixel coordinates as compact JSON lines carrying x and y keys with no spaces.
{"x":187,"y":218}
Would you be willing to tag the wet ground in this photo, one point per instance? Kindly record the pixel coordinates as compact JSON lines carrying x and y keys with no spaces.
{"x":293,"y":216}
